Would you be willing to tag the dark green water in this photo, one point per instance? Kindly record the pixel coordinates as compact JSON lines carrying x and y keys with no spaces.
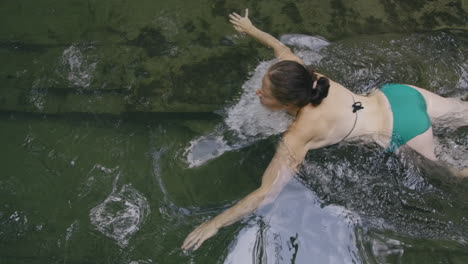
{"x":124,"y":125}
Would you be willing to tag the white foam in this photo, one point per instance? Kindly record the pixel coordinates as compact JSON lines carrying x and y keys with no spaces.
{"x":80,"y":69}
{"x":247,"y":119}
{"x":205,"y":148}
{"x":121,"y":214}
{"x":313,"y":43}
{"x":463,"y":80}
{"x":385,"y":248}
{"x":37,"y":97}
{"x":447,"y":150}
{"x":71,"y":229}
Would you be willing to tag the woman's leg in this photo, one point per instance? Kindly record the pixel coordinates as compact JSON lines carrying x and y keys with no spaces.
{"x":445,"y":111}
{"x":424,"y":145}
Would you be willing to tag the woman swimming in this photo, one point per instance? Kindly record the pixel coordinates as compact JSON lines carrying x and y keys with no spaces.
{"x":395,"y":116}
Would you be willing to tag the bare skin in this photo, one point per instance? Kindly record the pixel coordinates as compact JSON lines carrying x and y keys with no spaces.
{"x":316,"y":127}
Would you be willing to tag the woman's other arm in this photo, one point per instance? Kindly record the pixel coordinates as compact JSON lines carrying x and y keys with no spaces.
{"x":289,"y":155}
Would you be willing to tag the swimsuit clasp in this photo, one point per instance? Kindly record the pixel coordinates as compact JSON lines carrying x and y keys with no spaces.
{"x":357,"y":106}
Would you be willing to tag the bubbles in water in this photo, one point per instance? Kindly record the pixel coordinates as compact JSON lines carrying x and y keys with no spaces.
{"x":121,"y":215}
{"x":37,"y":96}
{"x":463,"y":81}
{"x":71,"y":229}
{"x":454,"y":151}
{"x":13,"y":226}
{"x":79,"y":68}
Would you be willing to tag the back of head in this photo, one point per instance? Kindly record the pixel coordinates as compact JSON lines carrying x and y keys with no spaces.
{"x":292,"y":83}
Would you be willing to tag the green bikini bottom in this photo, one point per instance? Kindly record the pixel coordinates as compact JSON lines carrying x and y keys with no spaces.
{"x":410,"y":116}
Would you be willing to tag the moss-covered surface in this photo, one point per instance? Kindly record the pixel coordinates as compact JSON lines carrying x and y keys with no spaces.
{"x":162,"y":56}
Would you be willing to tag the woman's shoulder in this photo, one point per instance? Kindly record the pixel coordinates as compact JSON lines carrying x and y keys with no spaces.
{"x":310,"y":123}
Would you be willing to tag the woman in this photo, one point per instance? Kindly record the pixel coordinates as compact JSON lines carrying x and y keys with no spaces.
{"x":327,"y":113}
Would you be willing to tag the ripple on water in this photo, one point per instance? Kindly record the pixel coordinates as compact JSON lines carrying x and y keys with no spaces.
{"x":121,"y":214}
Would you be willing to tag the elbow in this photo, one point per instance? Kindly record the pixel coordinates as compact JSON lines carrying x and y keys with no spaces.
{"x":265,"y":197}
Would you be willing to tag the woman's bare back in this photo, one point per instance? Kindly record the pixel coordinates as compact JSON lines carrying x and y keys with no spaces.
{"x":334,"y":118}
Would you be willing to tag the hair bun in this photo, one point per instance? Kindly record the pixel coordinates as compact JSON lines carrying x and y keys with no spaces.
{"x":320,"y":91}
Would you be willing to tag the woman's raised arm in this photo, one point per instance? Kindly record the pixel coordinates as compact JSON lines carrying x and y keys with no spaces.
{"x":244,"y":25}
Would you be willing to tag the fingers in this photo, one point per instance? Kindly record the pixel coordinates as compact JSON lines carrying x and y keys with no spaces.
{"x":194,"y":240}
{"x":238,"y":28}
{"x":190,"y":243}
{"x":246,"y":12}
{"x":195,"y":243}
{"x":235,"y":22}
{"x":236,"y":15}
{"x":199,"y":235}
{"x":190,"y":239}
{"x":200,"y":242}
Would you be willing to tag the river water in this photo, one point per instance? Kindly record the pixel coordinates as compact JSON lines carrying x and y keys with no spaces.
{"x":86,"y":183}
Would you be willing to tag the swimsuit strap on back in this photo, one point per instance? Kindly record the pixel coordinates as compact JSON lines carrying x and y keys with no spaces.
{"x":356,"y":107}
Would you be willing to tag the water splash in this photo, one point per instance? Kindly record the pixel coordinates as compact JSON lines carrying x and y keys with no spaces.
{"x":388,"y":192}
{"x":247,"y":121}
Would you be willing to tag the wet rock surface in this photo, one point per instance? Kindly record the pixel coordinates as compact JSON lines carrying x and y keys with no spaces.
{"x":149,"y":56}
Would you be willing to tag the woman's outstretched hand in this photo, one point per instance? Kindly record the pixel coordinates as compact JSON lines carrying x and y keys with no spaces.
{"x":199,"y":235}
{"x":241,"y":24}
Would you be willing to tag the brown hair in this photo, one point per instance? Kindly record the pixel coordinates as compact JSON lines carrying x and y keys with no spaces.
{"x":292,"y":83}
